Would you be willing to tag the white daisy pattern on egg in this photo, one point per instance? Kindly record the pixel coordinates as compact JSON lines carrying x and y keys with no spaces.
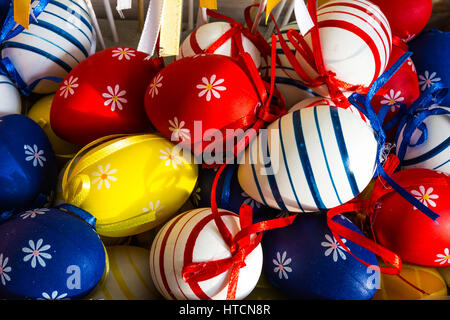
{"x":250,"y":201}
{"x":196,"y":196}
{"x":428,"y":79}
{"x":35,"y":253}
{"x":54,"y":296}
{"x":121,"y":53}
{"x":211,"y":87}
{"x":443,"y":258}
{"x":115,"y":97}
{"x":425,"y":196}
{"x":281,"y":265}
{"x":171,"y":158}
{"x":411,"y":64}
{"x":392,"y":98}
{"x":68,"y":86}
{"x":104,"y":176}
{"x":33,"y":213}
{"x":35,"y":155}
{"x":155,"y":85}
{"x":153,"y":209}
{"x":334,"y":247}
{"x":4,"y":269}
{"x":178,"y":132}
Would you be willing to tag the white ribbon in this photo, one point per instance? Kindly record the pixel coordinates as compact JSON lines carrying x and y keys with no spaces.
{"x":152,"y":25}
{"x":123,"y":5}
{"x":302,"y":16}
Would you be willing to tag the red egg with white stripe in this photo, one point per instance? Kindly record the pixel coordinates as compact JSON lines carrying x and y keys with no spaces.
{"x":194,"y":237}
{"x":203,"y":37}
{"x":356,"y":43}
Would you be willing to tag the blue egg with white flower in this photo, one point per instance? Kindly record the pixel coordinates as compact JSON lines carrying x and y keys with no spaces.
{"x":229,"y":194}
{"x":28,"y":170}
{"x":305,"y":261}
{"x":50,"y":253}
{"x":431,"y":50}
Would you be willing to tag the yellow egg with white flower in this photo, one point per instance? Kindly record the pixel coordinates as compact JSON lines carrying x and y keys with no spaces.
{"x":129,"y":183}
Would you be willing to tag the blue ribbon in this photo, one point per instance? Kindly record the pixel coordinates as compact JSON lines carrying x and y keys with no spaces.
{"x":80,"y":213}
{"x":363,"y":103}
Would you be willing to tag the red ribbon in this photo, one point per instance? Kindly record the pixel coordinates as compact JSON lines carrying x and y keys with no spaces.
{"x":241,"y":244}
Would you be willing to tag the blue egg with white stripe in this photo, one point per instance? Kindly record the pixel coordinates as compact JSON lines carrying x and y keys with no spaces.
{"x":434,"y":152}
{"x":305,"y":261}
{"x":10,"y":101}
{"x":43,"y":55}
{"x":287,"y":81}
{"x":50,"y":254}
{"x":310,"y":160}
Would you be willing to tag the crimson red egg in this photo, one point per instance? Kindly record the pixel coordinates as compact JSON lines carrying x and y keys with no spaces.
{"x":408,"y":232}
{"x":103,"y":95}
{"x":406,"y":18}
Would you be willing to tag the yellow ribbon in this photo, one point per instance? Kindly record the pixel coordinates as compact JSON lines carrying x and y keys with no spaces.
{"x":22,"y":12}
{"x":170,"y":28}
{"x":270,"y":5}
{"x":210,"y":4}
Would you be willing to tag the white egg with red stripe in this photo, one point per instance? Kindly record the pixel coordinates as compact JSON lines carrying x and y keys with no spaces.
{"x":356,"y":43}
{"x":194,"y":237}
{"x":10,"y":101}
{"x":206,"y":35}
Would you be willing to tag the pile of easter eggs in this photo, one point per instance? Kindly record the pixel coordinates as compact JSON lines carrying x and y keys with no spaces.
{"x":213,"y":175}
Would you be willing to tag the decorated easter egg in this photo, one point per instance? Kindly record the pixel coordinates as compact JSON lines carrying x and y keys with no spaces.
{"x":406,"y":21}
{"x":193,"y":236}
{"x":128,"y":277}
{"x":405,"y":230}
{"x":27,"y":168}
{"x":305,"y":261}
{"x":355,"y":41}
{"x":392,"y":287}
{"x":101,"y":96}
{"x":215,"y":95}
{"x":50,"y":254}
{"x":205,"y":39}
{"x":434,"y":152}
{"x":315,"y":158}
{"x":131,"y":183}
{"x":430,"y":55}
{"x":61,"y":37}
{"x":286,"y":79}
{"x":10,"y":101}
{"x":403,"y":88}
{"x":229,"y":194}
{"x":40,"y":113}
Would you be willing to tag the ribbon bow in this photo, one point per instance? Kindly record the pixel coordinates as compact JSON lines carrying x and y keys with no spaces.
{"x":241,"y":244}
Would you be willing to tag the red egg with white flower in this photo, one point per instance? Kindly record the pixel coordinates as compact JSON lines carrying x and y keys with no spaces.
{"x":103,"y":95}
{"x":402,"y":228}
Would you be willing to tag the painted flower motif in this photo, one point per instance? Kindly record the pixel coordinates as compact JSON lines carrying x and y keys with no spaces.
{"x":392,"y":98}
{"x":171,"y":158}
{"x":178,"y":132}
{"x":409,"y":38}
{"x":281,"y":265}
{"x":427,"y":79}
{"x":35,"y":253}
{"x":123,"y":53}
{"x":156,"y":83}
{"x":4,"y":269}
{"x":35,"y":155}
{"x":250,"y":201}
{"x":104,"y":176}
{"x":114,"y":97}
{"x":53,"y":296}
{"x":443,"y":258}
{"x":67,"y":87}
{"x":153,"y":209}
{"x":196,"y":196}
{"x":210,"y":87}
{"x":33,"y":213}
{"x":425,"y":196}
{"x":411,"y":64}
{"x":283,"y":214}
{"x":334,"y":247}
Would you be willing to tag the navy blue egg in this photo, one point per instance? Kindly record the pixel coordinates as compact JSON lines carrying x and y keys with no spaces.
{"x":4,"y":8}
{"x":28,"y":170}
{"x":305,"y":261}
{"x":431,"y":51}
{"x":229,"y":194}
{"x":49,"y":254}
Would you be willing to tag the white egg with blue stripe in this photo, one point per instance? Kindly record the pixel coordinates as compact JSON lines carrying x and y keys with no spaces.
{"x":434,"y":152}
{"x":313,"y":159}
{"x":286,"y":79}
{"x":10,"y":101}
{"x":61,"y":38}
